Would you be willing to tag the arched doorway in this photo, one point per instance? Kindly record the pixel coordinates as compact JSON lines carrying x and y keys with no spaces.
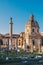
{"x":28,"y":47}
{"x":42,"y":41}
{"x":1,"y":42}
{"x":33,"y":41}
{"x":34,"y":44}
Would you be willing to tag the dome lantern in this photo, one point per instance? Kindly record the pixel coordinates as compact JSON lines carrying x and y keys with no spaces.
{"x":31,"y":17}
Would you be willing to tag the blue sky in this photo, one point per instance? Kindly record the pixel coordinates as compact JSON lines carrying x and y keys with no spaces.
{"x":20,"y":11}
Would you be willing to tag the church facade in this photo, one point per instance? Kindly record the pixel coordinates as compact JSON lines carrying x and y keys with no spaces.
{"x":31,"y":39}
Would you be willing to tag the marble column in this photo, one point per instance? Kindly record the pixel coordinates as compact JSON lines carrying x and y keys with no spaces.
{"x":36,"y":44}
{"x":7,"y":44}
{"x":11,"y":32}
{"x":24,"y":44}
{"x":39,"y":45}
{"x":10,"y":46}
{"x":31,"y":45}
{"x":16,"y":44}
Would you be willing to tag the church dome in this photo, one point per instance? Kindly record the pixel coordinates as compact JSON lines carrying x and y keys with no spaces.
{"x":36,"y":23}
{"x":32,"y":22}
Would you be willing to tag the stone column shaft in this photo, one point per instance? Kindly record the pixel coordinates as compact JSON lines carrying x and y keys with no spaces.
{"x":11,"y":32}
{"x":31,"y":49}
{"x":39,"y":45}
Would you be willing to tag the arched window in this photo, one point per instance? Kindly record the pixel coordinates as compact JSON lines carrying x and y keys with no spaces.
{"x":27,"y":47}
{"x":1,"y":42}
{"x":32,"y":30}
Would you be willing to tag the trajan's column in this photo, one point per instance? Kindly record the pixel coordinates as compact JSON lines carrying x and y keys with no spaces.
{"x":10,"y":43}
